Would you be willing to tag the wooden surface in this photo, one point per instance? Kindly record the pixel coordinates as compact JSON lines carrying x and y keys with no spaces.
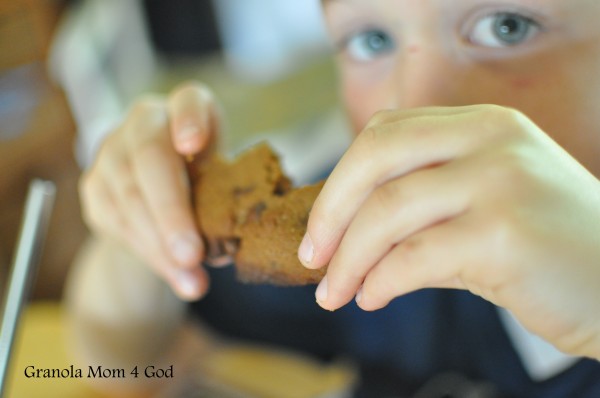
{"x":223,"y":370}
{"x":26,"y":27}
{"x":43,"y":150}
{"x":37,"y":136}
{"x":41,"y":342}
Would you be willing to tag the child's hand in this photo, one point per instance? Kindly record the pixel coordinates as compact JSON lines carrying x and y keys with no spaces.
{"x":475,"y":198}
{"x":137,"y":191}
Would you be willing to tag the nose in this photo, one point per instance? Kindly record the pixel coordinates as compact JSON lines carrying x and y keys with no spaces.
{"x":425,"y":76}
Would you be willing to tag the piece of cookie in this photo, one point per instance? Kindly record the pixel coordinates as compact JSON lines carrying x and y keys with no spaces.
{"x":226,"y":191}
{"x":270,"y":237}
{"x":248,"y":210}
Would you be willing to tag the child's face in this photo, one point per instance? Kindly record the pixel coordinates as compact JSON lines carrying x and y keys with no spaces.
{"x":539,"y":56}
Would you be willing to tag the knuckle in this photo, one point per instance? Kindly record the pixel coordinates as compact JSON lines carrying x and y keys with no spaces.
{"x":120,"y":168}
{"x":511,"y":117}
{"x":503,"y":120}
{"x":382,"y":117}
{"x":506,"y":174}
{"x":130,"y":194}
{"x":149,"y":147}
{"x":319,"y":225}
{"x":503,"y":234}
{"x":367,"y":144}
{"x":408,"y":251}
{"x":145,"y":106}
{"x":350,"y":274}
{"x":147,"y":118}
{"x":193,"y":88}
{"x":386,"y":198}
{"x":109,"y":147}
{"x":97,"y":211}
{"x":495,"y":111}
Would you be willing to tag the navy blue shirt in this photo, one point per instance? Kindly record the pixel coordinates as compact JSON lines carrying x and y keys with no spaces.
{"x":400,"y":347}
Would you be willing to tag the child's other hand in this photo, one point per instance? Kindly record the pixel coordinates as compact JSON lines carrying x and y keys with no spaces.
{"x":137,"y":191}
{"x":475,"y":198}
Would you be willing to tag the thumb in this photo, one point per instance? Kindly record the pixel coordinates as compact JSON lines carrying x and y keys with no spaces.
{"x":194,"y":122}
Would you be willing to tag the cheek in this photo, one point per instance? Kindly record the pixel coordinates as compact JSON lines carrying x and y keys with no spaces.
{"x":362,"y":101}
{"x":523,"y":83}
{"x":353,"y":102}
{"x":561,"y":99}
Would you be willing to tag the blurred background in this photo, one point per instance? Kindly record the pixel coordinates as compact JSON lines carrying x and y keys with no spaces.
{"x":70,"y":69}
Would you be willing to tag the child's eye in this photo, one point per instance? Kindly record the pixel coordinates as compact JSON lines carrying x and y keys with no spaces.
{"x":503,"y":30}
{"x":368,"y":45}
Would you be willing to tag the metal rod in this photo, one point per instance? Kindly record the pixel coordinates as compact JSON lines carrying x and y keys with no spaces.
{"x":36,"y":217}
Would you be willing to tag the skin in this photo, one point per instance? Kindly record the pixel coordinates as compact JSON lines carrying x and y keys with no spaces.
{"x":137,"y":192}
{"x":436,"y":191}
{"x":135,"y":200}
{"x":469,"y":197}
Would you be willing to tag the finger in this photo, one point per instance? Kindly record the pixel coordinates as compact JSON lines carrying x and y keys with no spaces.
{"x":439,"y":256}
{"x":123,"y":215}
{"x":219,"y":261}
{"x":99,"y":209}
{"x":188,"y":284}
{"x":160,"y":173}
{"x":387,"y":116}
{"x":390,"y":214}
{"x":384,"y":152}
{"x":193,"y":118}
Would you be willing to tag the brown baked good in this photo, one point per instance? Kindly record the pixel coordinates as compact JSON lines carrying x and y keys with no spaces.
{"x":248,"y":209}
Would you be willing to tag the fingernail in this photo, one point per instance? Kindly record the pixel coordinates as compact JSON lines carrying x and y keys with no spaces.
{"x":187,"y":131}
{"x":321,"y":293}
{"x":306,"y":251}
{"x":187,"y":136}
{"x":188,"y":285}
{"x":359,"y":294}
{"x":185,"y":249}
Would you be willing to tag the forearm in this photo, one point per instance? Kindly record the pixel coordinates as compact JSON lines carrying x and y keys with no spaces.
{"x":119,"y":313}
